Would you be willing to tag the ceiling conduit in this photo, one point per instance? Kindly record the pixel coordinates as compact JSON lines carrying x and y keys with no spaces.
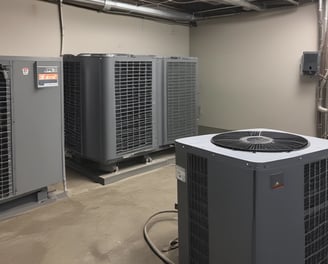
{"x":108,"y":6}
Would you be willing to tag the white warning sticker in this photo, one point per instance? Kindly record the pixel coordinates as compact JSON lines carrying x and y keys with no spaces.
{"x":180,"y":173}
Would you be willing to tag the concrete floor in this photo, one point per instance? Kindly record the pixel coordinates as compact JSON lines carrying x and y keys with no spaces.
{"x":95,"y":223}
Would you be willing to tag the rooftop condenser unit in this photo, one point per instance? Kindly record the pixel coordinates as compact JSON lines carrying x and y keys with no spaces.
{"x":180,"y":98}
{"x":31,"y":125}
{"x":110,"y":110}
{"x":253,"y":197}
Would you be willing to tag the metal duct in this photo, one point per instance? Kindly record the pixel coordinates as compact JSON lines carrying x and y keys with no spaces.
{"x":242,"y":3}
{"x":107,"y":6}
{"x":292,"y":2}
{"x":147,"y":11}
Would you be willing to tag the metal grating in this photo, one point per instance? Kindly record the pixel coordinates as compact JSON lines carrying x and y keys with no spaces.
{"x":181,"y":99}
{"x":133,"y":105}
{"x":72,"y":106}
{"x":316,"y":212}
{"x":6,"y":175}
{"x":198,"y":210}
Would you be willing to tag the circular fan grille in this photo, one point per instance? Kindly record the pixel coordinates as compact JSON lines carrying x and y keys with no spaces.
{"x":260,"y":141}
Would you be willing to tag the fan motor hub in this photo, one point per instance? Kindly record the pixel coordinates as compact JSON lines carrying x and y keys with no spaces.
{"x":257,"y":140}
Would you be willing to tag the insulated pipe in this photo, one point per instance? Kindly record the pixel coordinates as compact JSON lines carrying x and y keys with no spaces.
{"x":148,"y":11}
{"x":321,"y":29}
{"x":292,"y":2}
{"x":106,"y":6}
{"x":242,"y":3}
{"x":93,"y":4}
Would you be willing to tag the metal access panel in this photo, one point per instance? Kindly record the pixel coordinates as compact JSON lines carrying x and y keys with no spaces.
{"x":110,"y":107}
{"x":215,"y":222}
{"x":34,"y":121}
{"x":180,"y":94}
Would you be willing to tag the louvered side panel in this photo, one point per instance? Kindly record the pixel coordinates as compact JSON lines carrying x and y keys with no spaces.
{"x":316,"y":212}
{"x":72,"y":106}
{"x":181,"y":86}
{"x":133,"y":105}
{"x":6,"y":172}
{"x":198,"y":209}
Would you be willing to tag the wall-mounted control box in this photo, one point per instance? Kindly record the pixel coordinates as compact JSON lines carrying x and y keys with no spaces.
{"x":310,"y":63}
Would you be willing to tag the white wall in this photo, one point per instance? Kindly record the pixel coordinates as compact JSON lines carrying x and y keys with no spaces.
{"x":31,"y":28}
{"x":249,"y":70}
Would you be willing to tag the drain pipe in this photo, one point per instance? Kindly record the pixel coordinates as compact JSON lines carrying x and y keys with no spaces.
{"x":108,"y":6}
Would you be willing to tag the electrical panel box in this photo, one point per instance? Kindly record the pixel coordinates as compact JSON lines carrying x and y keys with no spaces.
{"x":31,"y":125}
{"x":310,"y":63}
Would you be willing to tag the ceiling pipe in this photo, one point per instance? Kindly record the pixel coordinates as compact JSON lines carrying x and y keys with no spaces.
{"x":242,"y":3}
{"x":108,"y":6}
{"x":148,"y":11}
{"x":293,"y":2}
{"x":93,"y":4}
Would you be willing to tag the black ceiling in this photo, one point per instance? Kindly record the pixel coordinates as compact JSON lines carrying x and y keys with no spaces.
{"x":214,"y":8}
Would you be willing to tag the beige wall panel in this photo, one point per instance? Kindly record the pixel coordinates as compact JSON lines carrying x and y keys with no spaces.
{"x":250,"y":70}
{"x":31,"y":28}
{"x":96,"y":32}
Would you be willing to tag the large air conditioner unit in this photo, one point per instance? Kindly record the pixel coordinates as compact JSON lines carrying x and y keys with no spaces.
{"x":31,"y":125}
{"x":110,"y":106}
{"x":253,"y":197}
{"x":180,"y":98}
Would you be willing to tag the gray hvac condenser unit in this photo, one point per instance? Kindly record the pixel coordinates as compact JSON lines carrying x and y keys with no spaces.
{"x":110,"y":108}
{"x":31,"y":125}
{"x":253,"y":197}
{"x":180,"y":98}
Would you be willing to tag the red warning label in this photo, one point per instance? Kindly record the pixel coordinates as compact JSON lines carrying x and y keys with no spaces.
{"x":48,"y":76}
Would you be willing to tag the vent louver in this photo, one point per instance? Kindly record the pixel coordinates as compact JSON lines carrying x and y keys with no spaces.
{"x":181,"y":99}
{"x":133,"y":105}
{"x":6,"y":176}
{"x":72,"y":105}
{"x":198,"y":209}
{"x":316,"y":212}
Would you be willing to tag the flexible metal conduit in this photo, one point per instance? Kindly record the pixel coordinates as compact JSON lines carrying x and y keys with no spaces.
{"x":106,"y":6}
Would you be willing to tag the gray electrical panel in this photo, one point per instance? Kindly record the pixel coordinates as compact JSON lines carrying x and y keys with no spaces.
{"x":257,"y":205}
{"x":310,"y":63}
{"x":31,"y":125}
{"x":110,"y":106}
